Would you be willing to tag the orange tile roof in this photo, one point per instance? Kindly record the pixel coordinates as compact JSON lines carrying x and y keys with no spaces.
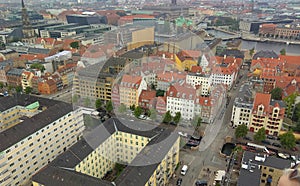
{"x":130,"y":81}
{"x":196,"y":69}
{"x":147,"y":95}
{"x":31,"y":57}
{"x":262,"y":99}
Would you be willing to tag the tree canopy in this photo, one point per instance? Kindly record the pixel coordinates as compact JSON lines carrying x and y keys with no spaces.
{"x":87,"y":102}
{"x":37,"y":66}
{"x":167,"y":117}
{"x":260,"y":135}
{"x":153,"y":114}
{"x":109,"y":106}
{"x":160,"y":92}
{"x":138,"y":111}
{"x":241,"y":131}
{"x":18,"y":89}
{"x":288,"y":140}
{"x":74,"y":44}
{"x":98,"y":103}
{"x":276,"y":93}
{"x":177,"y":117}
{"x":28,"y":90}
{"x":296,"y":114}
{"x":283,"y":51}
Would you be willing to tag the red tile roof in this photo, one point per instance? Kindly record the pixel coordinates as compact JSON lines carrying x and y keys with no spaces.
{"x":147,"y":95}
{"x":262,"y":99}
{"x":130,"y":81}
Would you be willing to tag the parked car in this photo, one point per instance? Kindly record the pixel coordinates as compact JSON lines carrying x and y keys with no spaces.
{"x":276,"y":145}
{"x":247,"y":138}
{"x":184,"y":170}
{"x":179,"y":181}
{"x":201,"y":183}
{"x":295,"y":149}
{"x":272,"y":137}
{"x":266,"y":142}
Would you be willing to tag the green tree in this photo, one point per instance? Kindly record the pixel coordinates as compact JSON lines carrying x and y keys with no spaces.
{"x":132,"y":107}
{"x":160,"y":92}
{"x":297,"y":127}
{"x":241,"y":131}
{"x":109,"y":106}
{"x":276,"y":93}
{"x":122,"y":108}
{"x":18,"y":89}
{"x":296,"y":113}
{"x":74,"y":44}
{"x":28,"y":90}
{"x":1,"y":85}
{"x":290,"y":101}
{"x":98,"y":103}
{"x":137,"y":111}
{"x":87,"y":102}
{"x":37,"y":66}
{"x":167,"y":117}
{"x":177,"y":117}
{"x":196,"y":122}
{"x":283,"y":51}
{"x":288,"y":140}
{"x":153,"y":114}
{"x":260,"y":135}
{"x":251,"y":51}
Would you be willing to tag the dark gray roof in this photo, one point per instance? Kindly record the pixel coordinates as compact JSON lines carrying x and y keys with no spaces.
{"x":235,"y":53}
{"x":55,"y":110}
{"x":55,"y":176}
{"x":145,"y":163}
{"x":265,"y":54}
{"x":161,"y":142}
{"x":5,"y":63}
{"x":15,"y":72}
{"x":38,"y":51}
{"x":244,"y":97}
{"x":280,"y":102}
{"x":248,"y":178}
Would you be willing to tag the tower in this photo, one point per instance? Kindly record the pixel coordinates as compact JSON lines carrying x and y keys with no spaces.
{"x":28,"y":31}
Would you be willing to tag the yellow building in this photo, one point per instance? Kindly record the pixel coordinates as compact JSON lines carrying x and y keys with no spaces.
{"x":141,"y":37}
{"x":95,"y":81}
{"x":42,"y":129}
{"x":26,"y":79}
{"x":258,"y":169}
{"x":130,"y":89}
{"x":152,"y":154}
{"x":185,"y":59}
{"x":267,"y":113}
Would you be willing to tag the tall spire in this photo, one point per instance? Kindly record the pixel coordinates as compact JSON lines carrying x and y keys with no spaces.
{"x":23,"y":5}
{"x":28,"y":31}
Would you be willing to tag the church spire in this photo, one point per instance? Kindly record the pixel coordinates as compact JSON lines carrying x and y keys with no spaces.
{"x":28,"y":31}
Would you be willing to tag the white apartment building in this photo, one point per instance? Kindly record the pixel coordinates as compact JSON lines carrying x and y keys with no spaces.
{"x":181,"y":98}
{"x":223,"y":75}
{"x":204,"y":80}
{"x":242,"y":107}
{"x":26,"y":147}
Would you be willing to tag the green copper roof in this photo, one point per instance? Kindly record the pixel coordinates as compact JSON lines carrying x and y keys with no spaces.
{"x":180,"y":21}
{"x":33,"y":105}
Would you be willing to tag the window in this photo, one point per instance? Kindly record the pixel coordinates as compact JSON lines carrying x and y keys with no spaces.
{"x":271,"y":170}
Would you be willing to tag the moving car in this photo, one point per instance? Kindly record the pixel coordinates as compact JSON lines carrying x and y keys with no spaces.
{"x":179,"y":181}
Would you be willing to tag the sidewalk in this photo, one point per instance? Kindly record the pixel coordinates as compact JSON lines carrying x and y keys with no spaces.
{"x":208,"y":174}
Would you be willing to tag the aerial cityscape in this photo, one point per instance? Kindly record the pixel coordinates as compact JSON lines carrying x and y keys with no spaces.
{"x":150,"y":93}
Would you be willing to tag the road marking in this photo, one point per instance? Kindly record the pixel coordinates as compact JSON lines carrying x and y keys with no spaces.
{"x":193,"y":158}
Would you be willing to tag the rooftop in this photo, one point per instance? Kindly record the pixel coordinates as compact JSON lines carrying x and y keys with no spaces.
{"x":55,"y":110}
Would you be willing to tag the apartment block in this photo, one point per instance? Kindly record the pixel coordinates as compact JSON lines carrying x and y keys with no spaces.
{"x":36,"y":131}
{"x":204,"y":81}
{"x":113,"y":142}
{"x":130,"y":89}
{"x":261,"y":169}
{"x":267,"y":113}
{"x":242,"y":106}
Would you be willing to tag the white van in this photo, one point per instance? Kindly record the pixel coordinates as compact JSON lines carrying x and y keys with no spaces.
{"x":184,"y":170}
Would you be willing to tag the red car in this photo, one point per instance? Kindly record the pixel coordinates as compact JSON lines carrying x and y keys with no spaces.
{"x":295,"y":149}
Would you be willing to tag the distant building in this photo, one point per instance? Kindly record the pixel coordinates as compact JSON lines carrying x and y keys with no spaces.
{"x":14,"y":77}
{"x":28,"y":32}
{"x":85,"y":19}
